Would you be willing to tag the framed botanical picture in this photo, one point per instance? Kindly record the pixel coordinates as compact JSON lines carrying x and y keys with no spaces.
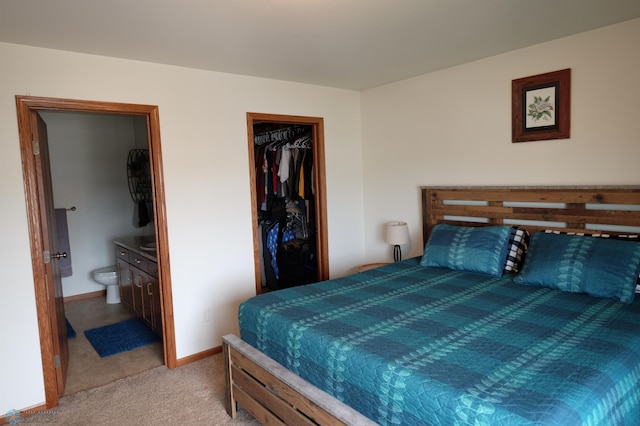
{"x":541,"y":107}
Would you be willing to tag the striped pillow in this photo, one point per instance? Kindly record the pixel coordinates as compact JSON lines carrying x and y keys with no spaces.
{"x":518,"y":244}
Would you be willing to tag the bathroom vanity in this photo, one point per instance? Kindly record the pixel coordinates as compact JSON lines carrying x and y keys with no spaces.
{"x":138,"y":279}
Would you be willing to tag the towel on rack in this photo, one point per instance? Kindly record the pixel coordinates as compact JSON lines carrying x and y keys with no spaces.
{"x":143,"y":214}
{"x":62,"y":230}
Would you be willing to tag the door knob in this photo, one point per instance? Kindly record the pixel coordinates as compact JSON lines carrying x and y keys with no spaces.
{"x":59,"y":255}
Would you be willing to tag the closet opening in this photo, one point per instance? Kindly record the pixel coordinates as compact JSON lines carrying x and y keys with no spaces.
{"x":288,"y":200}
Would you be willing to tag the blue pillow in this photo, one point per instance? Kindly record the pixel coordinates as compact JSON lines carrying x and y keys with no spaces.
{"x":482,"y":249}
{"x":581,"y":264}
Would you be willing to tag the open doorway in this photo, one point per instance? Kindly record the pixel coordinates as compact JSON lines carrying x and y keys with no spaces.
{"x":289,"y":212}
{"x":50,"y":314}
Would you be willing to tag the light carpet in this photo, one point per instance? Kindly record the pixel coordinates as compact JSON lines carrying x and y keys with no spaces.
{"x":189,"y":395}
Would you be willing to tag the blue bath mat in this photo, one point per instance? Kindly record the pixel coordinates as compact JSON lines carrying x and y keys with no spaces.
{"x":71,"y":333}
{"x":120,"y":337}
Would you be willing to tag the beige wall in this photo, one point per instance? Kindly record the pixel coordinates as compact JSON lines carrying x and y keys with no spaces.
{"x":454,"y":127}
{"x":204,"y":144}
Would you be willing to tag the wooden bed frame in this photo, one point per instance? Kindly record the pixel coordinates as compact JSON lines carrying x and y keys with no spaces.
{"x":275,"y":396}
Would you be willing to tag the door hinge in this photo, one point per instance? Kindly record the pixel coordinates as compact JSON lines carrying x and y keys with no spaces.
{"x":47,"y":256}
{"x":56,"y":361}
{"x":36,"y":148}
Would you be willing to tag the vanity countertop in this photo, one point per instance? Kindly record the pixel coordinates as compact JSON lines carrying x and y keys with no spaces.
{"x":136,"y":244}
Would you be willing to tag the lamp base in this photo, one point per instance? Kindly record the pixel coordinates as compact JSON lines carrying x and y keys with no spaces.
{"x":397,"y":253}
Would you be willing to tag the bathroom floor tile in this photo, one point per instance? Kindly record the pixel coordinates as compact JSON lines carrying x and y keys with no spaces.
{"x":86,"y":369}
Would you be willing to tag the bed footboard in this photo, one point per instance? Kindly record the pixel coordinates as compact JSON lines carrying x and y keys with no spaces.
{"x":274,"y":395}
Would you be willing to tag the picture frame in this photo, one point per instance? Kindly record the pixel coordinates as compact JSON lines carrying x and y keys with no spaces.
{"x":541,"y":107}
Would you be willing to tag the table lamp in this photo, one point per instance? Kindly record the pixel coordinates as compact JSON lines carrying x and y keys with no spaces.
{"x":397,"y":233}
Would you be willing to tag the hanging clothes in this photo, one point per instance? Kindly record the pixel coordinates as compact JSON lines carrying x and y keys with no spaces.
{"x":284,"y":165}
{"x":283,"y":171}
{"x":274,"y":239}
{"x":301,"y":184}
{"x":261,"y":195}
{"x":297,"y":155}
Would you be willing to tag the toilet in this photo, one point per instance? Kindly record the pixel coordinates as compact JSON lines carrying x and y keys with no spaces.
{"x":108,"y":277}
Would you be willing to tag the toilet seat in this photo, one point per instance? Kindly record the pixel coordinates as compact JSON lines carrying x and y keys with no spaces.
{"x":108,"y":271}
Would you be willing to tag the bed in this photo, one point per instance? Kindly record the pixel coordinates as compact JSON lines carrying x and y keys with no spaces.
{"x":521,"y":310}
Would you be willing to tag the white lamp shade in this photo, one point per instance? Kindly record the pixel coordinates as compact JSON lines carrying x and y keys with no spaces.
{"x":397,"y":233}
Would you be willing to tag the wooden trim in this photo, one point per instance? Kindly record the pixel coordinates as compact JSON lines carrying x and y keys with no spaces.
{"x":24,"y":106}
{"x":35,"y":236}
{"x":84,"y":296}
{"x":198,"y":356}
{"x":24,"y":413}
{"x":274,"y":395}
{"x":254,"y":207}
{"x":319,"y":177}
{"x":162,"y":239}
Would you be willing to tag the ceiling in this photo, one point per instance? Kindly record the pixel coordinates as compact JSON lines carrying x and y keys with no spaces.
{"x":350,"y":44}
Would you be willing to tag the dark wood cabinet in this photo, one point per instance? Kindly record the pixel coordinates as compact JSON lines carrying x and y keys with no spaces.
{"x":140,"y":287}
{"x":139,"y":266}
{"x":125,"y":281}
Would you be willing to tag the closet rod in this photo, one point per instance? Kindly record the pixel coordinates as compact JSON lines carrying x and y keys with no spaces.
{"x":278,"y":135}
{"x":301,"y":142}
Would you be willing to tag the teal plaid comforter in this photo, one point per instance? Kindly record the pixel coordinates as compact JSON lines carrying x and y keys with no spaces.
{"x":405,"y":344}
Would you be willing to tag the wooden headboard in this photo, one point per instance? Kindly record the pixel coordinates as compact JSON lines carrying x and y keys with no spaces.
{"x":585,"y":209}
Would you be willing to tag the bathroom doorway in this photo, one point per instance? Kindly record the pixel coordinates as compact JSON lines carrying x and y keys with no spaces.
{"x":50,"y":315}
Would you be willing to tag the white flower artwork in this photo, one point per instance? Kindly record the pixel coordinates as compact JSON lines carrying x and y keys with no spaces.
{"x":541,"y":109}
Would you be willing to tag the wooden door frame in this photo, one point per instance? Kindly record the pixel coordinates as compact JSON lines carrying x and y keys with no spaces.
{"x":27,"y":104}
{"x":319,"y":176}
